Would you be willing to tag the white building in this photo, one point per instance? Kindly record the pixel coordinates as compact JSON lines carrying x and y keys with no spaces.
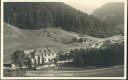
{"x":41,"y":56}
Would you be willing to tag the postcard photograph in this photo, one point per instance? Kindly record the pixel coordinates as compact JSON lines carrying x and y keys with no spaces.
{"x":68,"y":39}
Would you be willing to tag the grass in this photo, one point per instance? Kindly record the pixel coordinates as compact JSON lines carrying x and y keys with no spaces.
{"x":115,"y":71}
{"x":31,"y":39}
{"x":14,"y":73}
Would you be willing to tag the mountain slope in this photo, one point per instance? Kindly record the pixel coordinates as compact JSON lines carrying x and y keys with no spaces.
{"x":112,"y":14}
{"x":110,"y":9}
{"x":55,"y":38}
{"x":53,"y":14}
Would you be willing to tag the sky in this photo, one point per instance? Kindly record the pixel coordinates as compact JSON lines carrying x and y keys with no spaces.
{"x":88,"y":6}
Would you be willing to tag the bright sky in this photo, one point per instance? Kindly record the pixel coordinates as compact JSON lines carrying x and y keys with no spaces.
{"x":88,"y":5}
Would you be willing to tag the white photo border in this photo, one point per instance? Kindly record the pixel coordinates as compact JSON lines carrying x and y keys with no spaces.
{"x":125,"y":45}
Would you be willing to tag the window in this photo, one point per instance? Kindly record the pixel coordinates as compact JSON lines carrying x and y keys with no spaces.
{"x":49,"y":60}
{"x":48,"y":54}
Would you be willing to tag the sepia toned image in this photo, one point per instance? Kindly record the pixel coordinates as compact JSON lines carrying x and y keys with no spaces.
{"x":67,"y":39}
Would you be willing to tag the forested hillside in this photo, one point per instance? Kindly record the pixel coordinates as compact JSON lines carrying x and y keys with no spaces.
{"x":53,"y":14}
{"x":112,"y":14}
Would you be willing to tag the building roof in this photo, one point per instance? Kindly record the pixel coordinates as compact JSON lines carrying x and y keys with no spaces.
{"x":40,"y":51}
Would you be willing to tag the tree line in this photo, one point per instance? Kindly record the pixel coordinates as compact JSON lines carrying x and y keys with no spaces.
{"x":99,"y":57}
{"x":53,"y":14}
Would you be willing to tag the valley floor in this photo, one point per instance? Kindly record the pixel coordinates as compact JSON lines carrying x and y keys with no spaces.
{"x":115,"y":71}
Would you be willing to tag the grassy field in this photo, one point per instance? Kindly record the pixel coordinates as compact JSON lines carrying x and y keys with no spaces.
{"x":115,"y":71}
{"x":30,"y":39}
{"x":15,"y":38}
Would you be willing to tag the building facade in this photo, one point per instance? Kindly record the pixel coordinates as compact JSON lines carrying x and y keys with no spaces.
{"x":41,"y":57}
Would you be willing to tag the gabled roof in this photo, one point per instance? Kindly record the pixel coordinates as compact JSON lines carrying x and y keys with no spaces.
{"x":40,"y":51}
